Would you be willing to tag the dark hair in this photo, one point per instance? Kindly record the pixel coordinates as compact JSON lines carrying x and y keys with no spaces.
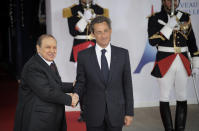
{"x":39,"y":41}
{"x":99,"y":19}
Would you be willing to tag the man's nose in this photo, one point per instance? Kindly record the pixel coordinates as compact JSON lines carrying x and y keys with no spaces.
{"x":103,"y":34}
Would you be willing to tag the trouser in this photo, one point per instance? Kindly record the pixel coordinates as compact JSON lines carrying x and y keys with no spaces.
{"x":176,"y":78}
{"x":106,"y":125}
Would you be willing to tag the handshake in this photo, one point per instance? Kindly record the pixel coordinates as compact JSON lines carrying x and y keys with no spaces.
{"x":75,"y":99}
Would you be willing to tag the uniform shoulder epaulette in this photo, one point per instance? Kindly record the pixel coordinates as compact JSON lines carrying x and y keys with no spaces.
{"x":184,"y":12}
{"x":106,"y":12}
{"x":153,"y":14}
{"x":67,"y":11}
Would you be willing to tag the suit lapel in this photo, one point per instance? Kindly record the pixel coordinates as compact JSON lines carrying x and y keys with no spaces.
{"x":55,"y":74}
{"x":96,"y":64}
{"x":47,"y":68}
{"x":112,"y":64}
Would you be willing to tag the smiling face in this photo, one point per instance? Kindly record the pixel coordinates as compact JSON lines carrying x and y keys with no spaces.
{"x":48,"y":48}
{"x":102,"y":33}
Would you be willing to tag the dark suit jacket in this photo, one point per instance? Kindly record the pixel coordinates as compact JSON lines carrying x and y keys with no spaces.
{"x":116,"y":95}
{"x":41,"y":98}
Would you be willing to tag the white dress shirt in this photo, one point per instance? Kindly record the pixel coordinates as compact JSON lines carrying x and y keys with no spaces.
{"x":48,"y":62}
{"x":107,"y":54}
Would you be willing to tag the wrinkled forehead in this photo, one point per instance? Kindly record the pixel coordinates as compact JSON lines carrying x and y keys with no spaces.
{"x":48,"y":41}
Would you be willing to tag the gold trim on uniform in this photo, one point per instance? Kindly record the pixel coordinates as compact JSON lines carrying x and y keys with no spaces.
{"x":67,"y":11}
{"x":106,"y":12}
{"x":91,"y":37}
{"x":185,"y":26}
{"x":185,"y":36}
{"x":177,"y":49}
{"x":155,"y":36}
{"x":184,"y":12}
{"x":185,"y":29}
{"x":196,"y":53}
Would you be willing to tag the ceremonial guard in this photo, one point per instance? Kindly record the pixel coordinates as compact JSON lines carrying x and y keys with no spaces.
{"x":170,"y":31}
{"x":79,"y":17}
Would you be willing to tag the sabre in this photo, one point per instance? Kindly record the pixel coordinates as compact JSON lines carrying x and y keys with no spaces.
{"x":194,"y":84}
{"x":172,"y":8}
{"x":87,"y":4}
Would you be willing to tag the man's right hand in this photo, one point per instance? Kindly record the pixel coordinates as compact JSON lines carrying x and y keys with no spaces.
{"x":75,"y":99}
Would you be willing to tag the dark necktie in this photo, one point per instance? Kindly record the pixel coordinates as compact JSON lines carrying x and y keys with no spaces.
{"x":104,"y":65}
{"x":53,"y":67}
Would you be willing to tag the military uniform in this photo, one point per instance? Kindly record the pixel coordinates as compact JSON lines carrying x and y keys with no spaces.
{"x":172,"y":66}
{"x":82,"y":40}
{"x":179,"y":40}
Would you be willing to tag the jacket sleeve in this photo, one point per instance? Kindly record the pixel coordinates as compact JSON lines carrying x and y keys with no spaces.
{"x":81,"y":76}
{"x":154,"y":35}
{"x":67,"y":87}
{"x":40,"y":83}
{"x":193,"y":49}
{"x":128,"y":89}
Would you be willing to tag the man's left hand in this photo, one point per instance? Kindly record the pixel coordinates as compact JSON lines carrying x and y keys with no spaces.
{"x":128,"y":120}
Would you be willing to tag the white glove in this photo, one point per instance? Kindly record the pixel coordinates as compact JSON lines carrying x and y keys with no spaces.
{"x":168,"y":28}
{"x":81,"y":25}
{"x":195,"y":71}
{"x":87,"y":14}
{"x":172,"y":22}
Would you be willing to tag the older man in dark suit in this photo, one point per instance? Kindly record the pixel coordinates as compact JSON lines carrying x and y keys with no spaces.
{"x":104,"y":75}
{"x":41,"y":92}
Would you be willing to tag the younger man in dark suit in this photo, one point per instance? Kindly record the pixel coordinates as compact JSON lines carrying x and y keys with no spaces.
{"x":104,"y":76}
{"x":42,"y":97}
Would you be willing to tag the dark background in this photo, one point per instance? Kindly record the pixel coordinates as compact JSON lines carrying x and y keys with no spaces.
{"x":22,"y":21}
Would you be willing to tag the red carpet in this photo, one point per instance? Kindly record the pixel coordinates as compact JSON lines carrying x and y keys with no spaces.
{"x":8,"y":102}
{"x":72,"y":123}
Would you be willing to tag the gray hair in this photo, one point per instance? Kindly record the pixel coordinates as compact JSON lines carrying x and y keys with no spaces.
{"x":39,"y":41}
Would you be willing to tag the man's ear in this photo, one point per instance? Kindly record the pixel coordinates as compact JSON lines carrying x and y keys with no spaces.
{"x":92,"y":34}
{"x":38,"y":48}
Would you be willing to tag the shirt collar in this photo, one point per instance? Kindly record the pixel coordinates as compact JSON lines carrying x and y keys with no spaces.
{"x":48,"y":62}
{"x":99,"y":48}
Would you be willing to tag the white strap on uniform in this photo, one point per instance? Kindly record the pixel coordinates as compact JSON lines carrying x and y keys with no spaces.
{"x":179,"y":15}
{"x":171,"y":49}
{"x":83,"y":37}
